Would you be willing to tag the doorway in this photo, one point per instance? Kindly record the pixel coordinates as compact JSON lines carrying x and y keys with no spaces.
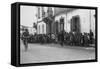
{"x":75,"y":24}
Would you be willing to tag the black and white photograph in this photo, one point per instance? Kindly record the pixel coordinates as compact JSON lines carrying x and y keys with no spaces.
{"x":56,"y":34}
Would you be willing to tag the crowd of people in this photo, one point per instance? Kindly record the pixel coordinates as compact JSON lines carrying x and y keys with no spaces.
{"x":71,"y":38}
{"x":79,"y":39}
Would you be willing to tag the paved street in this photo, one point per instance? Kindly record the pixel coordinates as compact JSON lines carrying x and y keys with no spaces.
{"x":54,"y":52}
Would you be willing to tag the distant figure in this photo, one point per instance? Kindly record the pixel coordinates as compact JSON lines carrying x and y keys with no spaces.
{"x":25,"y":36}
{"x":62,"y":38}
{"x":91,"y":37}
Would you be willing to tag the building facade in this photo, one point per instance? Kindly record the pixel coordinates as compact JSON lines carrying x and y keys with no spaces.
{"x":76,"y":20}
{"x":43,"y":19}
{"x":54,"y":20}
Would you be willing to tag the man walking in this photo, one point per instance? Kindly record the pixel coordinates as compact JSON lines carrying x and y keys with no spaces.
{"x":25,"y":36}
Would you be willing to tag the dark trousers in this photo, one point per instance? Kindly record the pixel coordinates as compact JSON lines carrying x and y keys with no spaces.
{"x":25,"y":44}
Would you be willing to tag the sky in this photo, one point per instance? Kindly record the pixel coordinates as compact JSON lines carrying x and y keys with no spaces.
{"x":28,"y":15}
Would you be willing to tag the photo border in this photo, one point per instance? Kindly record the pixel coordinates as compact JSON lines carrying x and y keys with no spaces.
{"x":53,"y":5}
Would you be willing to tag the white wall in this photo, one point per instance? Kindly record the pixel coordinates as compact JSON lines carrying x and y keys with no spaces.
{"x":40,"y":31}
{"x":57,"y":18}
{"x":32,"y":30}
{"x":86,"y":18}
{"x":93,"y":21}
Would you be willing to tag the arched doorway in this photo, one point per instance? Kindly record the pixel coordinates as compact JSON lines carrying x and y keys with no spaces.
{"x":61,"y":24}
{"x":75,"y":24}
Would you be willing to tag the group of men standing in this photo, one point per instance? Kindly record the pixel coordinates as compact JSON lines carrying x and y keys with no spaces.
{"x":76,"y":38}
{"x":71,"y":38}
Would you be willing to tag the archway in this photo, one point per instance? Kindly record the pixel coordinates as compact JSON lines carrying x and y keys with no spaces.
{"x":75,"y":24}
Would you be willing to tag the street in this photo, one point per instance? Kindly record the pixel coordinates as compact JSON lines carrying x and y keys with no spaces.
{"x":37,"y":53}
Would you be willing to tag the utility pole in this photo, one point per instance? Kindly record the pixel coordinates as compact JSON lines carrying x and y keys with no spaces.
{"x":90,"y":20}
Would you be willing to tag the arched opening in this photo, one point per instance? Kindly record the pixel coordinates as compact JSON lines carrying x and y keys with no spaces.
{"x":61,"y":24}
{"x":75,"y":24}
